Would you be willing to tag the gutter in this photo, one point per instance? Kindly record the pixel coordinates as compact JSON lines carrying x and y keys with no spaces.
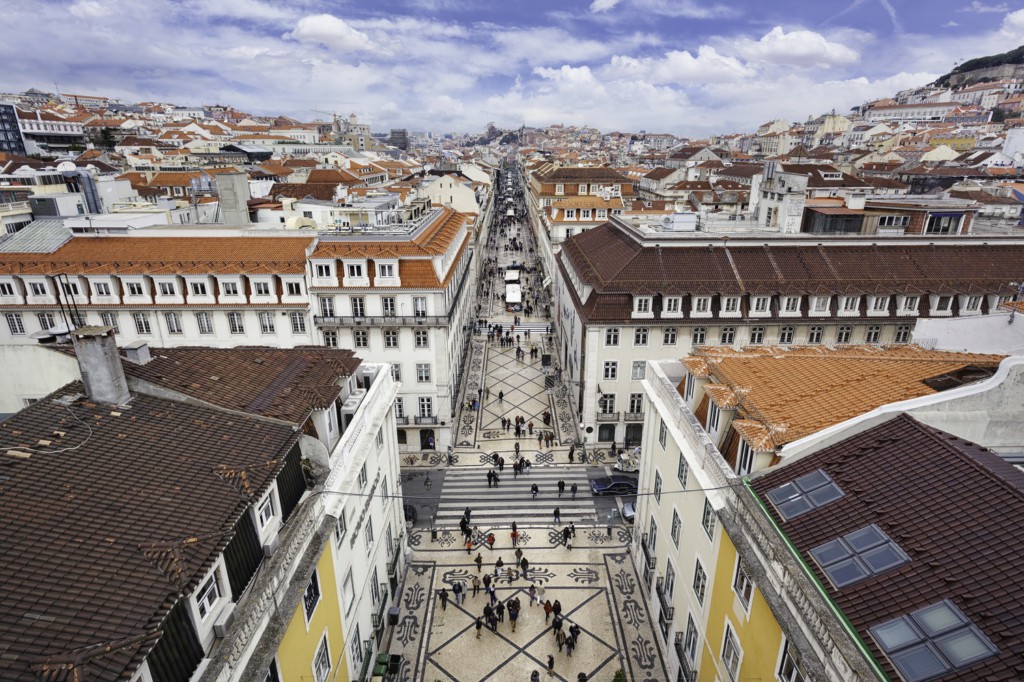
{"x":833,"y":607}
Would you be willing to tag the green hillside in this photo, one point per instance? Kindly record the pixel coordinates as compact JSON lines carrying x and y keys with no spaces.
{"x":1015,"y":56}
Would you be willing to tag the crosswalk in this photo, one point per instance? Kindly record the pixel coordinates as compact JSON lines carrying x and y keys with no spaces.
{"x":512,"y":500}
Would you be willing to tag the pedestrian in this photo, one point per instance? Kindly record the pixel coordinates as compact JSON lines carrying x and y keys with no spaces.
{"x":496,"y":479}
{"x":556,"y":623}
{"x":533,"y":489}
{"x":493,"y":593}
{"x":573,"y":490}
{"x":561,"y":487}
{"x":525,"y":564}
{"x":513,"y":616}
{"x":566,"y":534}
{"x":501,"y":396}
{"x":516,"y":447}
{"x":501,"y":464}
{"x":547,"y":609}
{"x":457,"y":591}
{"x":444,"y":598}
{"x":490,"y":541}
{"x":479,"y":625}
{"x":514,"y":526}
{"x":533,"y":594}
{"x":570,"y":644}
{"x":515,"y":538}
{"x":509,"y":575}
{"x":540,"y":439}
{"x":558,"y":515}
{"x":494,"y":458}
{"x":530,"y":427}
{"x":557,"y":608}
{"x":519,"y":556}
{"x":572,"y":528}
{"x":551,"y":665}
{"x":497,"y":567}
{"x":469,"y":545}
{"x":535,"y":676}
{"x":467,"y":513}
{"x":493,"y":623}
{"x":487,"y":581}
{"x":476,"y":585}
{"x":488,"y":612}
{"x":479,"y":560}
{"x":490,"y":478}
{"x":559,"y":639}
{"x":500,"y":610}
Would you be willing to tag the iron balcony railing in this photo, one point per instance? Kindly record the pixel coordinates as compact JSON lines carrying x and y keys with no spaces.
{"x":634,"y":416}
{"x":648,"y":556}
{"x":667,"y":610}
{"x":381,"y":320}
{"x":402,"y":420}
{"x":686,"y":673}
{"x":607,"y":416}
{"x":425,"y":420}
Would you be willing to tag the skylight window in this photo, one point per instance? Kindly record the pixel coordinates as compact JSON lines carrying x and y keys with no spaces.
{"x":858,"y":555}
{"x":932,"y":641}
{"x":808,"y":492}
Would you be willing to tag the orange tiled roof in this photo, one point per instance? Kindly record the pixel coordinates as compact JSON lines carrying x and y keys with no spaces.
{"x":784,"y":394}
{"x":434,"y":240}
{"x":165,"y":255}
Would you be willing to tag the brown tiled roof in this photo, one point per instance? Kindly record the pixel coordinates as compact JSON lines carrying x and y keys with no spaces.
{"x":433,"y":240}
{"x":614,"y":264}
{"x":171,"y":255}
{"x":92,"y":505}
{"x":883,"y":183}
{"x":569,"y":174}
{"x":983,"y":197}
{"x":660,"y":173}
{"x":815,"y":180}
{"x":949,"y":505}
{"x":323,"y":191}
{"x":333,"y":176}
{"x":795,"y":391}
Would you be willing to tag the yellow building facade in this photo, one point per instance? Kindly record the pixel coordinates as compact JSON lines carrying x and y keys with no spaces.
{"x":744,"y":639}
{"x":313,"y":646}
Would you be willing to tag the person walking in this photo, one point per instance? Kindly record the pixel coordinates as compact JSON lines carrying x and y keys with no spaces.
{"x":487,"y":581}
{"x":572,"y":528}
{"x":535,"y":676}
{"x":479,"y":626}
{"x":496,"y":479}
{"x":558,"y":515}
{"x":570,"y":644}
{"x":476,"y":585}
{"x":513,"y":615}
{"x":532,"y":592}
{"x":561,"y":487}
{"x":488,"y":613}
{"x":525,"y":564}
{"x":479,"y":561}
{"x":515,"y":538}
{"x":501,"y":396}
{"x":458,"y":590}
{"x":533,"y":489}
{"x":444,"y":598}
{"x":551,"y":665}
{"x":500,"y":610}
{"x":501,"y":465}
{"x":556,"y":608}
{"x":466,"y":514}
{"x":556,"y":624}
{"x":519,"y":556}
{"x":559,"y":639}
{"x":490,"y":478}
{"x":516,"y":447}
{"x":566,"y":535}
{"x":547,"y":610}
{"x":497,"y":567}
{"x":540,"y":439}
{"x":573,"y":490}
{"x":572,"y":450}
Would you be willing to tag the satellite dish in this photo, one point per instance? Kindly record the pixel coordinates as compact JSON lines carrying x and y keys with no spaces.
{"x":66,"y":166}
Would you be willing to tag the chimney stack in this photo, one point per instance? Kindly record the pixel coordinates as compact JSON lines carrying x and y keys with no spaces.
{"x":100,"y":365}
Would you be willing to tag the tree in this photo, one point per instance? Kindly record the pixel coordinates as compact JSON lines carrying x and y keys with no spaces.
{"x":107,"y":140}
{"x":999,"y":115}
{"x":620,"y":676}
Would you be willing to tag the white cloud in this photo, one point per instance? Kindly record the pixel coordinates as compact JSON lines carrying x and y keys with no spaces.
{"x":603,"y":5}
{"x":796,"y":48}
{"x":982,"y":8}
{"x":90,"y":9}
{"x":329,"y":31}
{"x":680,"y":67}
{"x":692,"y":9}
{"x":950,"y":24}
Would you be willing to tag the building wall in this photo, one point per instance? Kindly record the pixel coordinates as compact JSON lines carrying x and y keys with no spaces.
{"x":301,"y":639}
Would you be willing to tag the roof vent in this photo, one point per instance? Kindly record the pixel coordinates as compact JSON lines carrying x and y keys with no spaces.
{"x":137,"y":352}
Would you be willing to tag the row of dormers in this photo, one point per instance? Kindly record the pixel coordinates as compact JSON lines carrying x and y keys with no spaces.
{"x":152,"y":289}
{"x":356,"y":272}
{"x":738,"y":306}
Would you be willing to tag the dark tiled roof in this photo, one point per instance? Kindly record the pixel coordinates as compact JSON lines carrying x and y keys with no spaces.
{"x":816,"y":180}
{"x":660,"y":173}
{"x":106,"y":525}
{"x":950,"y":505}
{"x":585,"y":174}
{"x":324,"y":191}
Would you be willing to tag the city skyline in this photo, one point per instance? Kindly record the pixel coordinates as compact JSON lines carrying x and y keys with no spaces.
{"x":690,"y":68}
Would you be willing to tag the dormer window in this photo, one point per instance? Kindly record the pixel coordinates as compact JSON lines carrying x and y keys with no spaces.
{"x":323,"y":270}
{"x":355,"y":270}
{"x":850,"y":304}
{"x":208,"y":595}
{"x":880,"y":304}
{"x":702,"y":304}
{"x":559,"y":189}
{"x":262,"y":288}
{"x":731,"y":304}
{"x":672,"y":305}
{"x":820,"y":304}
{"x":102,"y":289}
{"x":910,"y":304}
{"x":944,"y":304}
{"x":643,"y":304}
{"x":973,"y":304}
{"x":583,"y":189}
{"x":386,"y":270}
{"x":229,"y":288}
{"x":167,"y":289}
{"x":199,"y":288}
{"x":135,"y":288}
{"x":761,"y":304}
{"x":792,"y":304}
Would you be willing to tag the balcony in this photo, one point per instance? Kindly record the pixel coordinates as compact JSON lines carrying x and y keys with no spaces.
{"x":649,"y":557}
{"x":367,"y":658}
{"x":634,"y":416}
{"x":686,"y":673}
{"x":381,"y":321}
{"x":425,"y":420}
{"x":607,"y":416}
{"x":667,"y":610}
{"x":380,"y":610}
{"x":402,"y":421}
{"x":14,"y":207}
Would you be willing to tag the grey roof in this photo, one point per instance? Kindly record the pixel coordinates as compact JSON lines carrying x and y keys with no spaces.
{"x":39,"y":236}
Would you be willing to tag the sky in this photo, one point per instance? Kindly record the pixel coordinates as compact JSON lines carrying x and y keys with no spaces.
{"x":687,"y":67}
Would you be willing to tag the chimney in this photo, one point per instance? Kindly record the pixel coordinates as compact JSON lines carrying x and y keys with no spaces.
{"x":137,"y":352}
{"x":100,"y":365}
{"x":233,"y":195}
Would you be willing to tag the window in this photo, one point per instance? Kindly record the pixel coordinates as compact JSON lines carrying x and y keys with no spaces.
{"x":944,"y":304}
{"x":803,"y":494}
{"x":910,"y":304}
{"x":611,"y":369}
{"x":880,"y":304}
{"x":355,"y":270}
{"x":670,"y":336}
{"x":199,"y":288}
{"x":893,"y":221}
{"x":874,"y":333}
{"x":698,"y":336}
{"x":789,"y":667}
{"x":135,"y":289}
{"x":640,"y":336}
{"x":700,"y":582}
{"x":15,"y":323}
{"x":670,"y":581}
{"x":38,"y":289}
{"x":713,"y":416}
{"x":426,"y":406}
{"x":903,"y":333}
{"x":643,"y":304}
{"x":262,"y":288}
{"x":235,"y":323}
{"x":229,"y":288}
{"x":728,"y":336}
{"x":731,"y":304}
{"x":399,"y":403}
{"x":391,"y":338}
{"x":207,"y":596}
{"x":652,"y":535}
{"x":69,"y":288}
{"x":792,"y":304}
{"x":570,"y":214}
{"x":298,"y":321}
{"x":636,"y":402}
{"x":322,"y":660}
{"x":943,"y":224}
{"x":786,"y":335}
{"x":690,"y":640}
{"x":368,"y":536}
{"x":6,"y":289}
{"x":46,"y":320}
{"x":820,"y":304}
{"x":583,"y":189}
{"x":756,"y":335}
{"x":850,"y":304}
{"x":973,"y":303}
{"x":611,"y":336}
{"x":709,"y":519}
{"x":815,"y":334}
{"x":691,"y":386}
{"x":422,"y":339}
{"x":77,"y":319}
{"x":348,"y":593}
{"x":323,"y":270}
{"x":357,"y":648}
{"x":396,"y":372}
{"x":386,"y":270}
{"x":662,"y":433}
{"x":702,"y":304}
{"x":360,"y":338}
{"x":387,"y":305}
{"x":845,"y":334}
{"x":419,"y":306}
{"x":142,"y":323}
{"x":294,"y":288}
{"x":102,"y":289}
{"x":672,"y":304}
{"x":265,"y":511}
{"x":606,"y":403}
{"x":423,"y":372}
{"x":266,"y":322}
{"x":173,"y":321}
{"x":205,"y":323}
{"x":858,"y":555}
{"x":272,"y":674}
{"x":677,"y":525}
{"x":559,"y":189}
{"x":358,"y":306}
{"x":167,"y":289}
{"x":932,"y":641}
{"x":682,"y":471}
{"x":311,"y":597}
{"x":639,"y":370}
{"x":761,"y":304}
{"x":743,"y":586}
{"x":745,"y":461}
{"x":657,"y":486}
{"x":326,"y":306}
{"x":362,"y":476}
{"x":731,"y":653}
